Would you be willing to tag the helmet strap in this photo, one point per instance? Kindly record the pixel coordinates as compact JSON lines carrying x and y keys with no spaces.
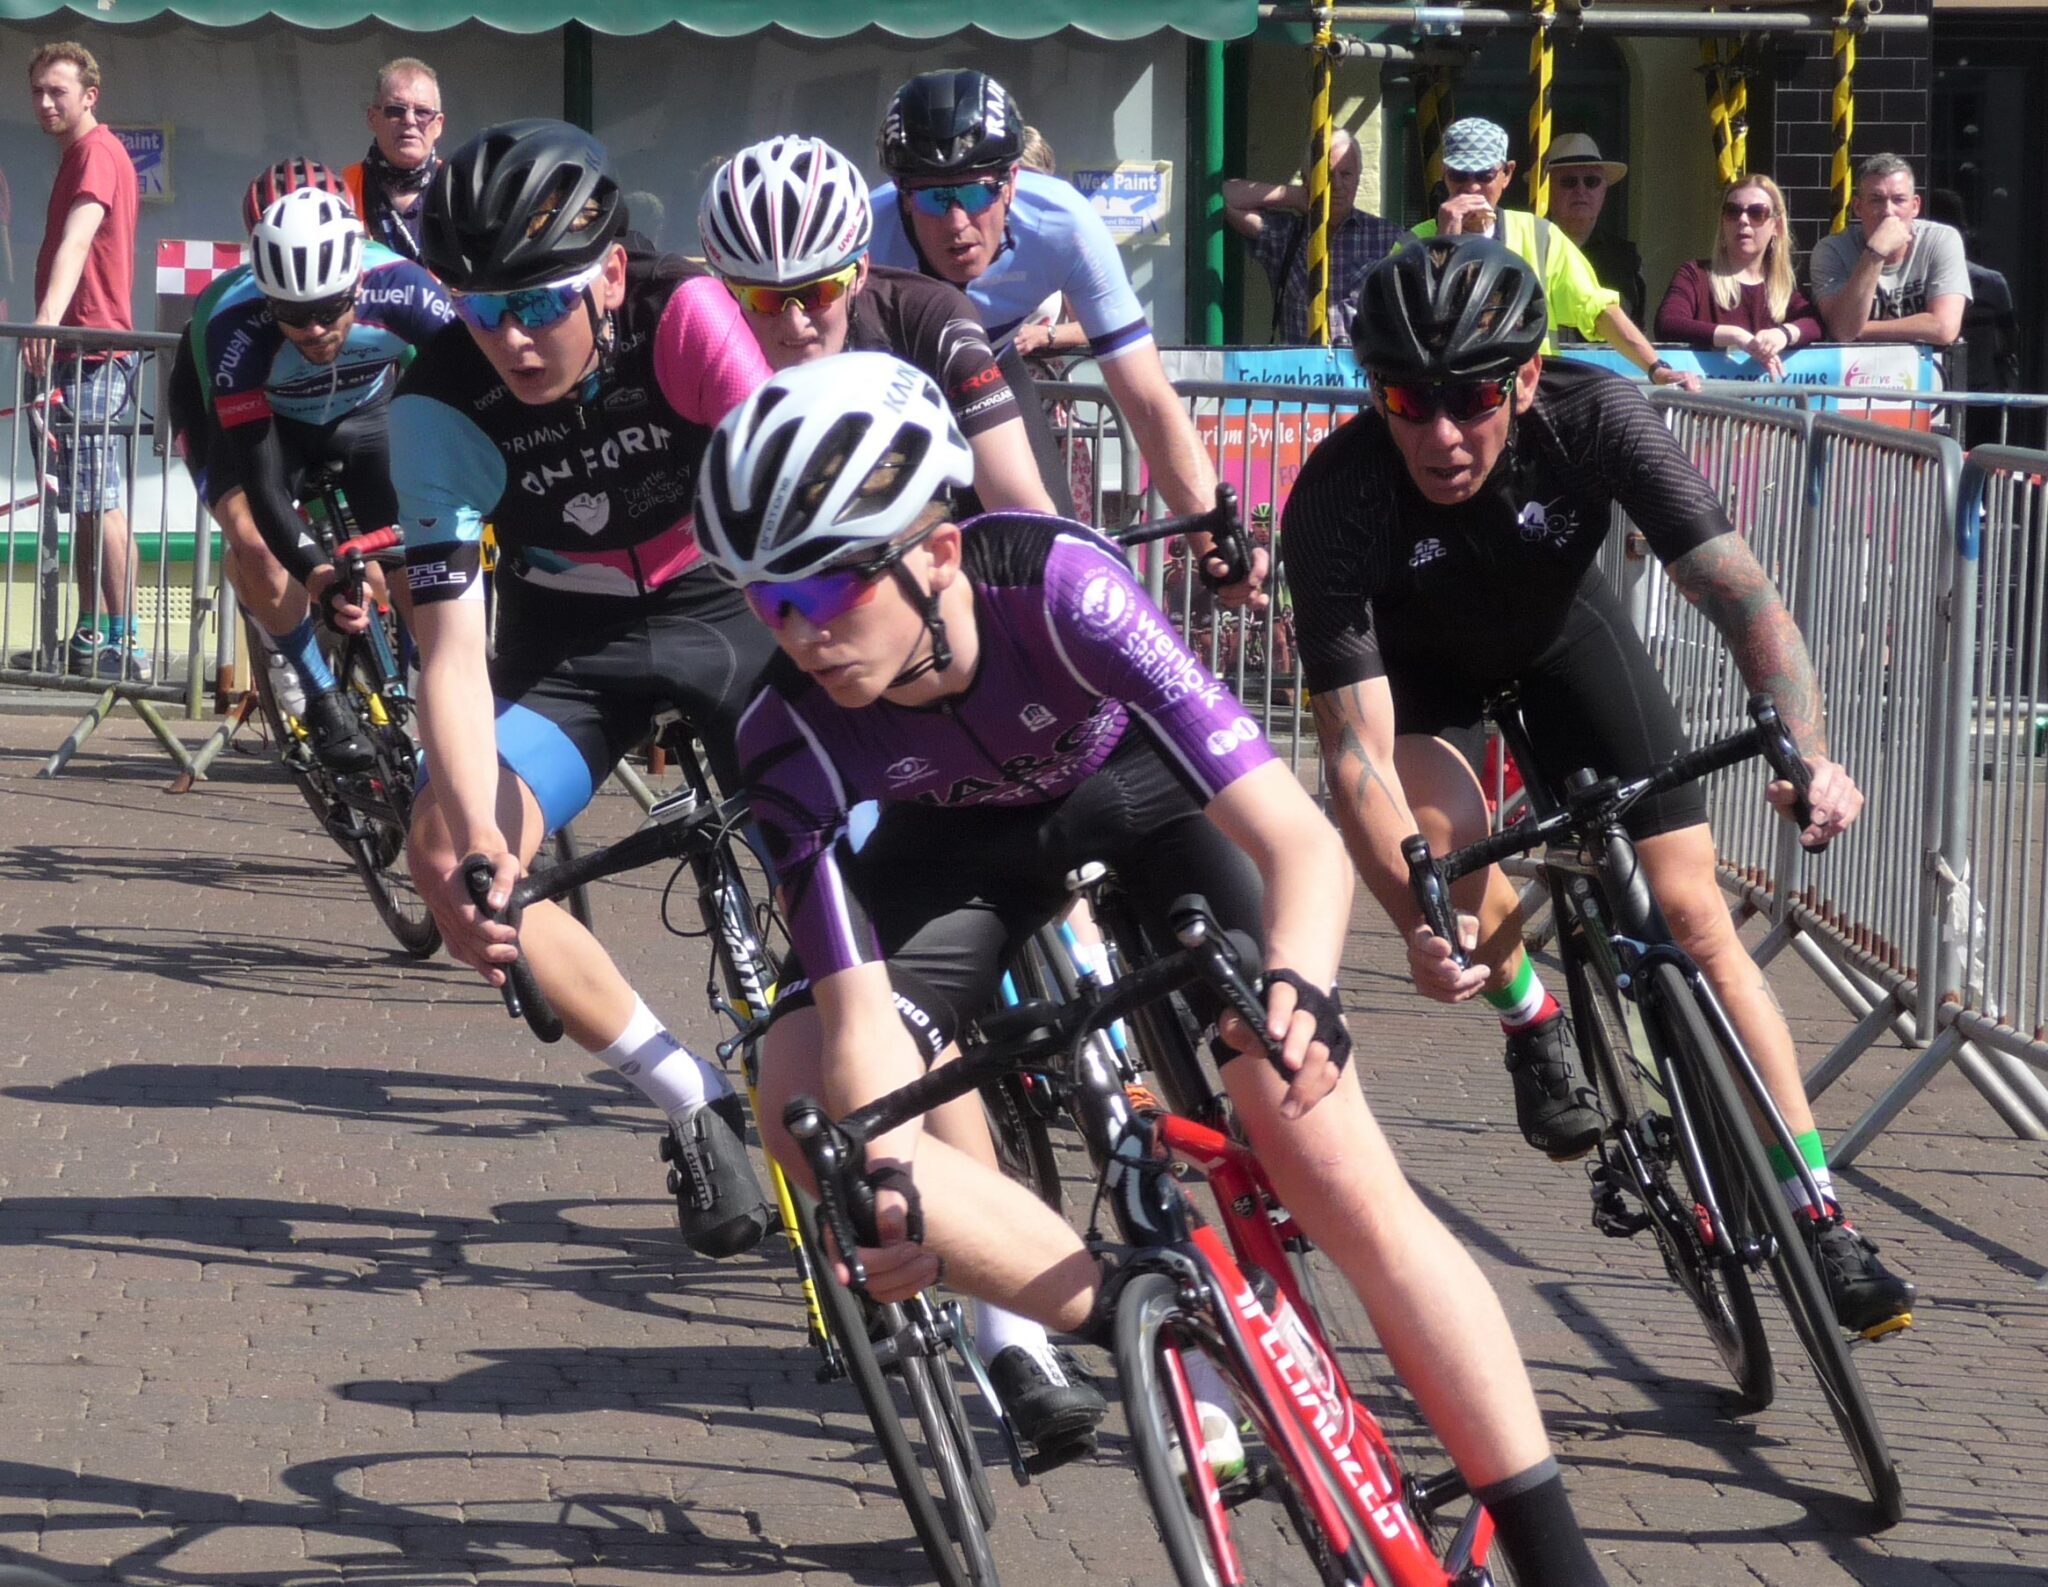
{"x":927,"y":603}
{"x":604,"y":343}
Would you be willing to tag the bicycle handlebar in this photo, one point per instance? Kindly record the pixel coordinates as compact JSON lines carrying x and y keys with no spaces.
{"x":672,"y":838}
{"x":367,"y":545}
{"x":522,"y":993}
{"x":1222,"y":523}
{"x":1018,"y":1037}
{"x":1597,"y":803}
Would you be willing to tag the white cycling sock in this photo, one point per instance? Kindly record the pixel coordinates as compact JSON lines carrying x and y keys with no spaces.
{"x":995,"y":1330}
{"x":672,"y":1077}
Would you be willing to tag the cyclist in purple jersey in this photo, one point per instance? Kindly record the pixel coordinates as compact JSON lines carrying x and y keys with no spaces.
{"x":1018,"y":706}
{"x":786,"y":223}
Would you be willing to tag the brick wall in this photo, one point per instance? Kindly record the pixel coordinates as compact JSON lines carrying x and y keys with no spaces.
{"x":1893,"y":74}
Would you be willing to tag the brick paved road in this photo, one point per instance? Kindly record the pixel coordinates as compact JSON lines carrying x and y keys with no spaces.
{"x":313,"y":1270}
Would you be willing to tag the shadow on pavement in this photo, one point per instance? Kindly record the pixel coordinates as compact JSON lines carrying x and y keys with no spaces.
{"x":53,"y":865}
{"x":299,"y":967}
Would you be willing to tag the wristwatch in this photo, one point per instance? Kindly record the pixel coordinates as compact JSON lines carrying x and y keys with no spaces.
{"x":1651,"y":372}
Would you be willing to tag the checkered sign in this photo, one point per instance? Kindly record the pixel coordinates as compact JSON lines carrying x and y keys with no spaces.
{"x":186,"y":269}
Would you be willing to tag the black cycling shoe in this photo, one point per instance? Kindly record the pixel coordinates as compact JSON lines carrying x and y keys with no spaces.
{"x":1869,"y":1298}
{"x":718,"y":1199}
{"x":336,"y":736}
{"x":1555,"y":1107}
{"x":1052,"y":1409}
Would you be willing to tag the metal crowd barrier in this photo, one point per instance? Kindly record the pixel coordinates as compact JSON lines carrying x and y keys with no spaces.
{"x":1930,"y":921}
{"x":113,"y":603}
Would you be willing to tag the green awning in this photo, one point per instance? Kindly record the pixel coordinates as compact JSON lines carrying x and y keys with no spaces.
{"x":915,"y":19}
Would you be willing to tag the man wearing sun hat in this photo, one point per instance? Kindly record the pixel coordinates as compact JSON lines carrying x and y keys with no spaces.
{"x":1477,"y":171}
{"x":1580,"y":180}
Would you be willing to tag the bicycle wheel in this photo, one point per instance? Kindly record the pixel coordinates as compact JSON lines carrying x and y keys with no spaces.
{"x":1023,"y":1142}
{"x":1639,"y":1151}
{"x":922,"y":1443}
{"x":1260,"y":1533}
{"x":376,"y":821}
{"x":560,"y":848}
{"x":293,"y":752}
{"x":1697,"y":1057}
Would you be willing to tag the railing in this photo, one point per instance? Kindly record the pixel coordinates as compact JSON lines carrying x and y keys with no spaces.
{"x":109,"y":566}
{"x":1923,"y":589}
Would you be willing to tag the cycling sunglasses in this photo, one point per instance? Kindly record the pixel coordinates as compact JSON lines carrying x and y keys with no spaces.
{"x":325,"y":311}
{"x":812,"y":297}
{"x":535,"y":308}
{"x":974,"y":197}
{"x":825,"y":596}
{"x":1461,"y":402}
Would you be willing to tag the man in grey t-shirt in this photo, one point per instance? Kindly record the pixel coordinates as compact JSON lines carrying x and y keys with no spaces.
{"x":1891,"y":277}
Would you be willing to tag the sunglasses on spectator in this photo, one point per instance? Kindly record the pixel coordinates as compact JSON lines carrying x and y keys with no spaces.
{"x":1591,"y":181}
{"x":421,"y":115}
{"x":974,"y":197}
{"x":1477,"y":177}
{"x":823,"y":597}
{"x":1461,"y":402}
{"x":812,"y":296}
{"x":1755,"y":214}
{"x":535,"y":308}
{"x":325,"y":311}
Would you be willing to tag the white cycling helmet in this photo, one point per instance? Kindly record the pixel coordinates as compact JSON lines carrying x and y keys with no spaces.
{"x":829,"y":462}
{"x":308,"y":246}
{"x":785,"y":210}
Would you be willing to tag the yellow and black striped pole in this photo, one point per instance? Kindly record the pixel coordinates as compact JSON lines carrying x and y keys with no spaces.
{"x":1432,"y":111}
{"x":1736,"y":92}
{"x":1317,"y":178}
{"x":1845,"y":112}
{"x":1717,"y":110}
{"x":1542,"y":63}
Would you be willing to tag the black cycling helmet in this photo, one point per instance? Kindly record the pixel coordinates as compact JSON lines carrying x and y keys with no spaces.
{"x":951,"y":123}
{"x":520,"y":204}
{"x":1449,"y":308}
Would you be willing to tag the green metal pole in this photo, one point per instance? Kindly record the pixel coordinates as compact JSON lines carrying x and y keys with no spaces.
{"x":1237,"y":57}
{"x":579,"y":76}
{"x":1208,"y":330}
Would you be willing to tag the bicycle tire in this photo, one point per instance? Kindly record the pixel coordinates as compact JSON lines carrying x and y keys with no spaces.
{"x":1023,"y":1142}
{"x":1799,"y":1285}
{"x":559,"y":849}
{"x":847,"y":1319}
{"x":1276,"y":1542}
{"x":293,"y":753}
{"x":378,"y":843}
{"x":1720,"y":1291}
{"x":970,"y":1504}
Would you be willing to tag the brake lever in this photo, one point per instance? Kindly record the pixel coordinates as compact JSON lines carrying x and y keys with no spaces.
{"x":824,"y":1147}
{"x":522,"y":994}
{"x":1784,"y":757}
{"x":1228,"y":543}
{"x":1219,"y":957}
{"x":1432,"y":895}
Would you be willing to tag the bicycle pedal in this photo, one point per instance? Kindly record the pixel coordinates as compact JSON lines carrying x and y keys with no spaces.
{"x":1890,"y":1325}
{"x":1060,"y":1454}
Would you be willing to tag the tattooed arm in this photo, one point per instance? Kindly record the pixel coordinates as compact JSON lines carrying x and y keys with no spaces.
{"x":1356,"y":726}
{"x":1724,"y":580}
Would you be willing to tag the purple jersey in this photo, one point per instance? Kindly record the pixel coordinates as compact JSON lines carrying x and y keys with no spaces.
{"x":1071,"y":652}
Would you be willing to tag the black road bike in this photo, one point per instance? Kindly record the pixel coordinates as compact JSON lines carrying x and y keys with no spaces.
{"x":1681,"y":1156}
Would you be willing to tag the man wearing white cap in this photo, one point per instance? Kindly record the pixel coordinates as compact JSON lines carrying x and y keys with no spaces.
{"x":1580,"y":180}
{"x":1477,"y":171}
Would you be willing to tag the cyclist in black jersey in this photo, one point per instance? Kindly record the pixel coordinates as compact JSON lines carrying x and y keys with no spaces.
{"x":569,"y":409}
{"x":1441,"y":546}
{"x":786,"y":223}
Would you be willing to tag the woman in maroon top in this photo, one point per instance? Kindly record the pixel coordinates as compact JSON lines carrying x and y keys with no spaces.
{"x":1745,"y":299}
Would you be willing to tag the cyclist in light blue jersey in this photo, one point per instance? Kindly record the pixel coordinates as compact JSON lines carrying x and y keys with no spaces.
{"x":960,"y":208}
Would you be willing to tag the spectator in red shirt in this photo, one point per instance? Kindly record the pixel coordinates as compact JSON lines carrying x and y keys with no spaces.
{"x":1745,"y":299}
{"x":85,"y":276}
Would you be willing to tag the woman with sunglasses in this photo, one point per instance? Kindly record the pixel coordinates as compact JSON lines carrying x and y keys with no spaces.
{"x":786,"y":223}
{"x":1745,"y":299}
{"x":569,"y":409}
{"x":1443,"y":546}
{"x":301,"y":359}
{"x":1019,"y":706}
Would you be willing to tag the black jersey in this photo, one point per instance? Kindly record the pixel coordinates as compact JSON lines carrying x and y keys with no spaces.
{"x":932,"y":325}
{"x":1384,"y":581}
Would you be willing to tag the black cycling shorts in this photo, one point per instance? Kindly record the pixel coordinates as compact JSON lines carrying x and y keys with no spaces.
{"x":1592,"y":699}
{"x":580,"y":679}
{"x":1045,"y":446}
{"x":954,"y":893}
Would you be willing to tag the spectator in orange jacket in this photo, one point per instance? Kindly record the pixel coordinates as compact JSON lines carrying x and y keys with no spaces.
{"x":386,"y":185}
